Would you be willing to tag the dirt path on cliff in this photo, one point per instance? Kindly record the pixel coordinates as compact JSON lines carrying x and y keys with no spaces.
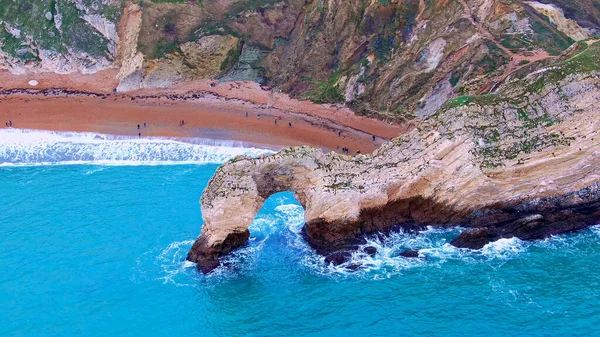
{"x":217,"y":113}
{"x":516,"y":59}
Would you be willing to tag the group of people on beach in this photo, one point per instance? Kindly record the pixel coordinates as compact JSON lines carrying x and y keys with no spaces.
{"x":139,"y":133}
{"x":9,"y":124}
{"x":280,"y":117}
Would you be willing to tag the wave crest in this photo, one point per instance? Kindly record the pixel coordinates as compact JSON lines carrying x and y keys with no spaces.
{"x":32,"y":147}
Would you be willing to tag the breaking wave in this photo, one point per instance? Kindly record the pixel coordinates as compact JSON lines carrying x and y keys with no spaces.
{"x":33,"y":147}
{"x":284,"y":226}
{"x":433,"y":246}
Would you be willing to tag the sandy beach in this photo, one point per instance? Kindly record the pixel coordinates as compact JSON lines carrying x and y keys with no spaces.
{"x":87,"y":103}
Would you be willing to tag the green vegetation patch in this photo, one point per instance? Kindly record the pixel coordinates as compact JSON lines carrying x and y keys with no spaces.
{"x":327,"y":92}
{"x":550,"y":39}
{"x":77,"y":33}
{"x":16,"y":47}
{"x":232,"y":57}
{"x":37,"y":19}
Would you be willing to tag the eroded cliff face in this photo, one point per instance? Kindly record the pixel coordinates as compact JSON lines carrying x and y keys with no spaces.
{"x":523,"y":162}
{"x":395,"y":60}
{"x":62,"y":36}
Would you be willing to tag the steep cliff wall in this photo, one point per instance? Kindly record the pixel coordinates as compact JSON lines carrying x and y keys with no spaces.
{"x":395,"y":60}
{"x":523,"y":162}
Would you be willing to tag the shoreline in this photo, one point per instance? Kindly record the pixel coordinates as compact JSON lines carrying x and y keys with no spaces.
{"x":86,"y":103}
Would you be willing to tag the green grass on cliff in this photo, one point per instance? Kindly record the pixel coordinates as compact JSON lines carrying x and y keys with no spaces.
{"x":327,"y":92}
{"x":511,"y":127}
{"x":585,"y":61}
{"x":30,"y":19}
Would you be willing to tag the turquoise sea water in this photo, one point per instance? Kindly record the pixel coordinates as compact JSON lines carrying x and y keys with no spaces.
{"x":97,"y":249}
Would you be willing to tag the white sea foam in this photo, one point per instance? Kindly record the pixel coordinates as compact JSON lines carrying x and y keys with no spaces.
{"x":33,"y":147}
{"x":432,"y":244}
{"x":596,"y":230}
{"x":286,"y":221}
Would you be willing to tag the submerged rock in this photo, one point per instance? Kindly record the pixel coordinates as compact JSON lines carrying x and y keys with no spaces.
{"x":370,"y":250}
{"x":338,"y":258}
{"x":410,"y":253}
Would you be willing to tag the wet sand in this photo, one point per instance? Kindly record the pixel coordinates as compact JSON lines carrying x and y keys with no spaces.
{"x":215,"y":113}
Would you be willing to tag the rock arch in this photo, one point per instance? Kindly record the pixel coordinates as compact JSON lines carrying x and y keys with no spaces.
{"x":438,"y":174}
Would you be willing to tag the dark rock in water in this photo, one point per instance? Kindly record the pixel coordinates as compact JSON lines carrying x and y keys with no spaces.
{"x":207,"y":256}
{"x":533,"y":220}
{"x":338,"y":258}
{"x":354,"y":267}
{"x":206,"y":266}
{"x":410,"y":253}
{"x":370,"y":250}
{"x":475,"y":238}
{"x":410,"y":227}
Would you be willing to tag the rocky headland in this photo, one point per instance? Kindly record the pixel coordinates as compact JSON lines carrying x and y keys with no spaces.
{"x":503,"y":95}
{"x":522,"y":162}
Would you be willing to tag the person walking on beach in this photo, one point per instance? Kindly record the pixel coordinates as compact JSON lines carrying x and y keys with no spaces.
{"x":258,"y":117}
{"x":144,"y":124}
{"x":139,"y":135}
{"x":373,"y":137}
{"x":182,"y":122}
{"x":246,"y":113}
{"x":339,"y":133}
{"x":138,"y":126}
{"x":290,"y":124}
{"x":9,"y":123}
{"x":275,"y":121}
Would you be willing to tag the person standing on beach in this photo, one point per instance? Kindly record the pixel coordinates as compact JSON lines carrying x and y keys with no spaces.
{"x":258,"y":117}
{"x":139,"y":135}
{"x":246,"y":113}
{"x":373,"y":137}
{"x":9,"y":123}
{"x":275,"y":121}
{"x":138,"y":126}
{"x":144,"y":124}
{"x":290,"y":124}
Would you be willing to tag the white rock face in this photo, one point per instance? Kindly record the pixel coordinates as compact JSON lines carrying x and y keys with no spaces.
{"x":106,"y":28}
{"x":434,"y":54}
{"x":130,"y":73}
{"x":557,"y":17}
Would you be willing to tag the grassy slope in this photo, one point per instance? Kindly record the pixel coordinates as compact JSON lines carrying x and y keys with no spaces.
{"x":29,"y":17}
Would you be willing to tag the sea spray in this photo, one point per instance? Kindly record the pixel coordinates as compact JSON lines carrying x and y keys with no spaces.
{"x":32,"y":147}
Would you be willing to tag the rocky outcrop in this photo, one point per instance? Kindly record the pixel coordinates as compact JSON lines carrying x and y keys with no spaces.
{"x":523,"y":163}
{"x":205,"y":58}
{"x":60,"y":36}
{"x":569,"y":27}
